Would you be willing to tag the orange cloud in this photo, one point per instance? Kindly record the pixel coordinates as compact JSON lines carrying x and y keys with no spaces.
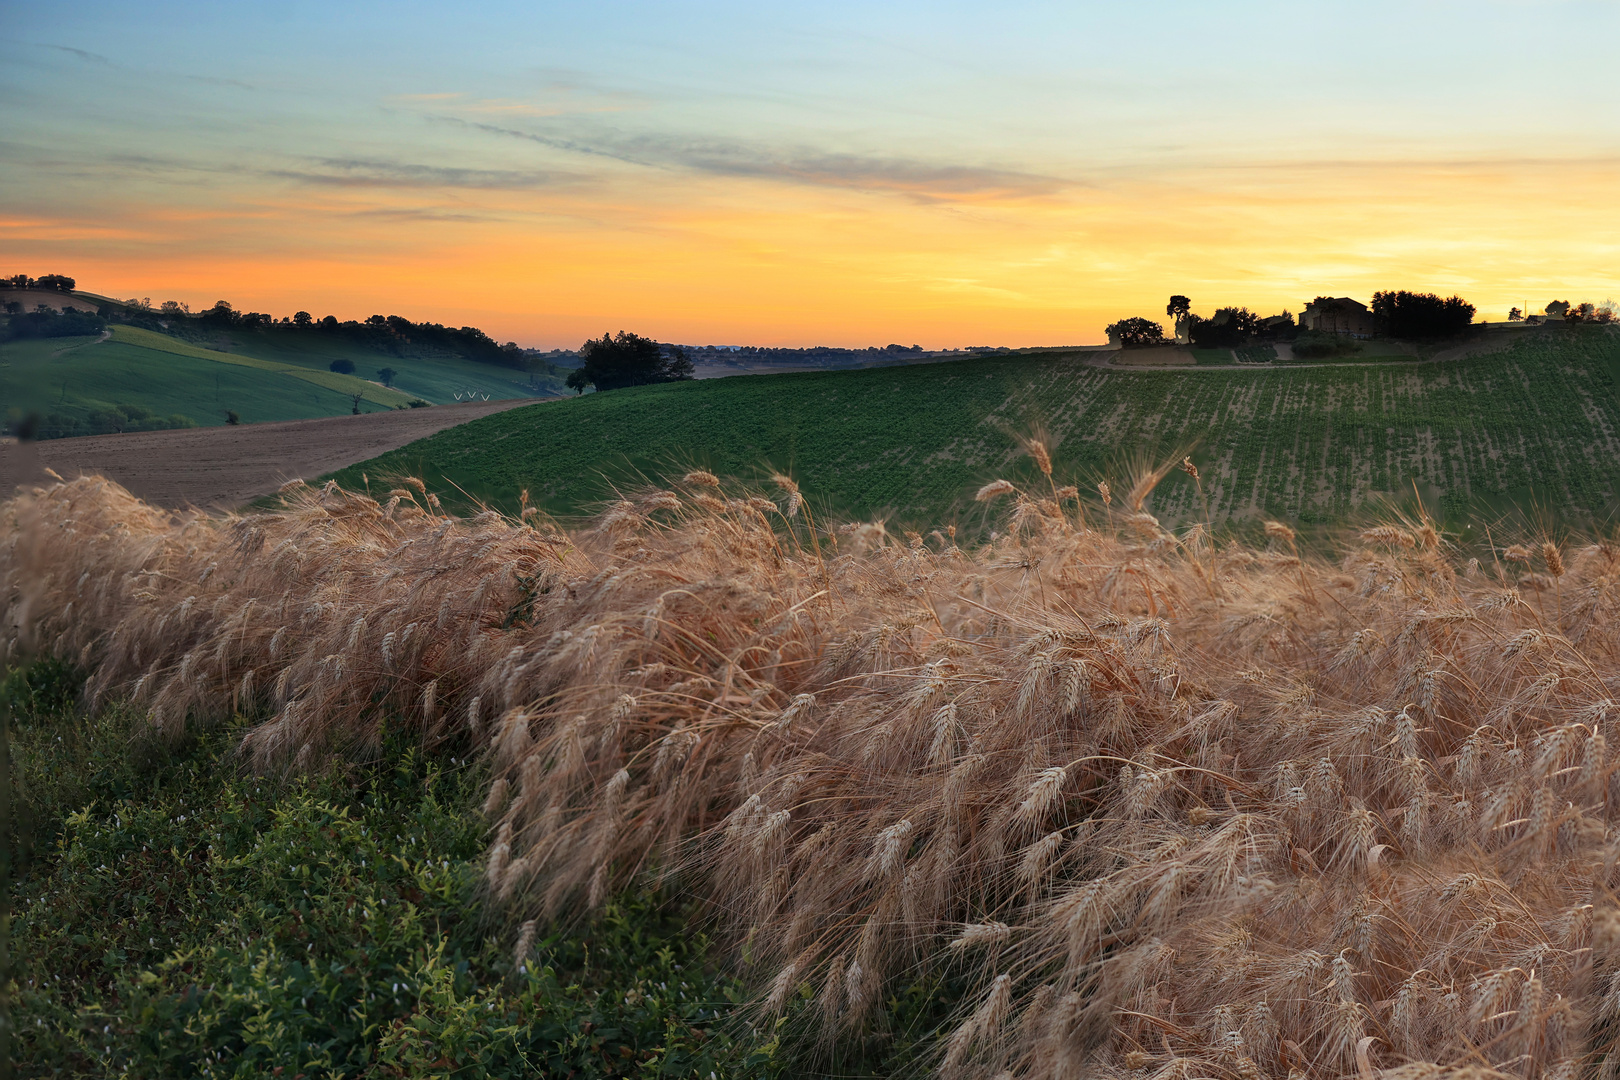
{"x":713,"y":256}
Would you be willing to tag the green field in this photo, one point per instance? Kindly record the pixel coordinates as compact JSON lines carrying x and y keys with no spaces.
{"x":1537,"y":425}
{"x":76,"y":384}
{"x":430,"y":378}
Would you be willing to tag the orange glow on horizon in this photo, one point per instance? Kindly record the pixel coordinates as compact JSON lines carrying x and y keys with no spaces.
{"x":754,"y":261}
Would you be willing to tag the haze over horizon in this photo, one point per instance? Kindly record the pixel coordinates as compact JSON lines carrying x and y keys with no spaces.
{"x":846,"y":175}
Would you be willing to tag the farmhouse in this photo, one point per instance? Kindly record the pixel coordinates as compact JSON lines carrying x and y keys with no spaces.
{"x":1338,"y":315}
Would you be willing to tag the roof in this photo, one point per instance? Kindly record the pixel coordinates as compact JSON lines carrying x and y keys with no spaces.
{"x":1337,"y":302}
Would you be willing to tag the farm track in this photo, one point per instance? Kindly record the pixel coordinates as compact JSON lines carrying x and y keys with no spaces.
{"x":222,"y":468}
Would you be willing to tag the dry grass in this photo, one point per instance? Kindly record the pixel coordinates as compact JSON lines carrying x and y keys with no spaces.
{"x":1180,"y":810}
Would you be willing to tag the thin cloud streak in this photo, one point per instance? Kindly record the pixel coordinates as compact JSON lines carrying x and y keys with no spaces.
{"x":361,"y":173}
{"x":87,"y":57}
{"x":922,"y":180}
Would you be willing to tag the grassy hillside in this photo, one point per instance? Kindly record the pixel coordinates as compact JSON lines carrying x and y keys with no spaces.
{"x":138,"y":378}
{"x":77,"y":385}
{"x":1539,"y":423}
{"x":435,"y":379}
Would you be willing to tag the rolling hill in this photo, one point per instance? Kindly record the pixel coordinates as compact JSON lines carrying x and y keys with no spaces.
{"x":132,"y":378}
{"x":1535,"y":425}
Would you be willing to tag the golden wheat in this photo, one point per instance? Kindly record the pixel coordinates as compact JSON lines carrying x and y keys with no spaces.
{"x":1250,"y":814}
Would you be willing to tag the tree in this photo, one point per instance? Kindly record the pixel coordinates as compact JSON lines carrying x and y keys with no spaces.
{"x":1515,"y":315}
{"x":19,"y":281}
{"x":1229,"y":328}
{"x":232,"y":418}
{"x":342,"y":367}
{"x":1421,"y":315}
{"x":303,"y":320}
{"x":1135,"y":333}
{"x":357,"y":399}
{"x":221,"y":314}
{"x":57,"y":282}
{"x":1179,"y":307}
{"x":387,"y":375}
{"x":628,"y":360}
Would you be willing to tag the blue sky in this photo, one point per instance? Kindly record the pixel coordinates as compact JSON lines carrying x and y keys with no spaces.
{"x":1022,"y":171}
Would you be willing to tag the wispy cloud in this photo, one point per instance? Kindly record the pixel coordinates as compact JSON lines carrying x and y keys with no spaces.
{"x":87,"y":57}
{"x":358,"y":172}
{"x":924,"y":180}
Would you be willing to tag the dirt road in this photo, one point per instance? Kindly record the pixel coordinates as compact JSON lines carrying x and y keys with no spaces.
{"x":224,"y":467}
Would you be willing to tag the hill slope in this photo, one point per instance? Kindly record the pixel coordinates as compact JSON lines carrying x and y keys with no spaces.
{"x":1539,"y":422}
{"x":93,"y":385}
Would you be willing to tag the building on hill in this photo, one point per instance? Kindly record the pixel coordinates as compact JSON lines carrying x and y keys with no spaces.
{"x":1338,"y":315}
{"x":1555,"y":313}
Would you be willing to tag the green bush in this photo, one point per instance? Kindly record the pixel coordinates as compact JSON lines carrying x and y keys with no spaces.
{"x":1317,"y":345}
{"x":181,"y":918}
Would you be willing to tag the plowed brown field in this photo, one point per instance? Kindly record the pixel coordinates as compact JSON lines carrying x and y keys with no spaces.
{"x":224,"y":467}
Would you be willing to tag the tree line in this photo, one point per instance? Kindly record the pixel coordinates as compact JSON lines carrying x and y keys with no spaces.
{"x":49,"y":282}
{"x":1397,"y":313}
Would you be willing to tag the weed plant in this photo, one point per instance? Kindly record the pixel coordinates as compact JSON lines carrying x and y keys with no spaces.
{"x":178,"y":917}
{"x":1156,"y":806}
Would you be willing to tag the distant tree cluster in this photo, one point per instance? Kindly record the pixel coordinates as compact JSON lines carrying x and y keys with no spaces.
{"x":1230,"y":327}
{"x":391,"y":334}
{"x":52,"y":282}
{"x":1601,"y":314}
{"x":46,"y":323}
{"x":1418,"y":316}
{"x":1136,"y":332}
{"x":612,"y":363}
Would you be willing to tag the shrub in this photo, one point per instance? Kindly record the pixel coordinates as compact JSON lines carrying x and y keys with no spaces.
{"x":1319,"y":345}
{"x":179,"y":918}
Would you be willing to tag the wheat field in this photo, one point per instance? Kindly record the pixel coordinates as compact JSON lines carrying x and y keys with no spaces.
{"x":1172,"y":807}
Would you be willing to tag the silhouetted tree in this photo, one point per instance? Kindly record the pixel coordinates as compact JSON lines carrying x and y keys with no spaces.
{"x":1179,"y":307}
{"x":1405,"y":314}
{"x":342,"y":367}
{"x":19,"y":281}
{"x":1515,"y":315}
{"x":628,"y":360}
{"x":1228,"y":328}
{"x":1136,"y":332}
{"x":58,"y":282}
{"x":387,"y":375}
{"x":303,"y":320}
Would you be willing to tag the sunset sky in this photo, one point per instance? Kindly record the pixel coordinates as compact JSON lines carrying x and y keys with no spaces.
{"x":943,"y":174}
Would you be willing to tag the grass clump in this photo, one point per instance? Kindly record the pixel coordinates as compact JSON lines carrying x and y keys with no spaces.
{"x":1120,"y":799}
{"x":175,"y":916}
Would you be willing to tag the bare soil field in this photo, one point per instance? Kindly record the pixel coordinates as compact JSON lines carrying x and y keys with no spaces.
{"x":224,"y":467}
{"x":1162,"y":356}
{"x":56,"y":301}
